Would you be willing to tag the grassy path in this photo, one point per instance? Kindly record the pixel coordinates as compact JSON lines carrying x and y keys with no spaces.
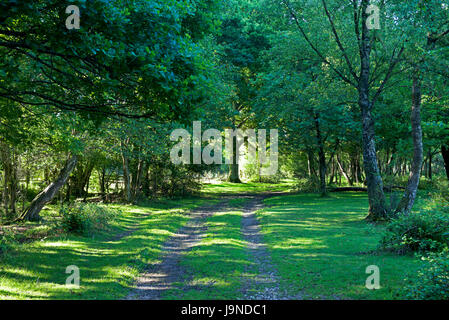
{"x":230,"y":262}
{"x":261,"y":280}
{"x":162,"y":274}
{"x":243,"y":246}
{"x":309,"y":248}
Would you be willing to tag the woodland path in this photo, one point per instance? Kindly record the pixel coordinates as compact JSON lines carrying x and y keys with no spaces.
{"x":261,"y":280}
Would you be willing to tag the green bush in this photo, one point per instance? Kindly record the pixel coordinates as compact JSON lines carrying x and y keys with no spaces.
{"x":442,"y":194}
{"x":252,"y":172}
{"x":7,"y":238}
{"x":307,"y":185}
{"x":432,"y":280}
{"x":173,"y":181}
{"x":417,"y":232}
{"x":85,"y":218}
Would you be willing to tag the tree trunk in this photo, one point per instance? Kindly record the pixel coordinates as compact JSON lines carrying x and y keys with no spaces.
{"x":234,"y":166}
{"x":331,"y":178}
{"x":343,"y":172}
{"x":137,"y":181}
{"x":10,"y":187}
{"x":445,"y":154}
{"x":408,"y":199}
{"x":146,"y":182}
{"x":358,"y":171}
{"x":234,"y":173}
{"x":311,"y":164}
{"x":102,"y":176}
{"x":154,"y":179}
{"x":321,"y":155}
{"x":390,"y":163}
{"x":376,"y":196}
{"x":126,"y":177}
{"x":86,"y":194}
{"x":80,"y":178}
{"x":32,"y":212}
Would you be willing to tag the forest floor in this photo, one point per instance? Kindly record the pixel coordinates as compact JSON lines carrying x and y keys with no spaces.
{"x":245,"y":241}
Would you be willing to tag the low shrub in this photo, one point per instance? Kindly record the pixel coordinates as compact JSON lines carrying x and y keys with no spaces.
{"x":417,"y":232}
{"x":429,"y":185}
{"x":432,"y":280}
{"x":307,"y":185}
{"x":40,"y":232}
{"x":7,"y":238}
{"x":85,"y":218}
{"x":253,"y":172}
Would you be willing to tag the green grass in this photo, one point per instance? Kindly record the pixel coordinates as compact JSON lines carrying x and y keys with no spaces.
{"x":321,"y":247}
{"x":214,"y":268}
{"x":108,"y":264}
{"x":249,"y":187}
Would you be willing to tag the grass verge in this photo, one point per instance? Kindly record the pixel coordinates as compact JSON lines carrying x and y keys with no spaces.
{"x":109,"y":261}
{"x":322,"y":247}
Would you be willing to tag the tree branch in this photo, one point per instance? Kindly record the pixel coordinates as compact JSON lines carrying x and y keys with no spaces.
{"x":323,"y":59}
{"x":340,"y":45}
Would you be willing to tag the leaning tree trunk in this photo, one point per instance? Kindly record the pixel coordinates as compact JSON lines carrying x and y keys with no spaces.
{"x":343,"y":172}
{"x":32,"y":212}
{"x":408,"y":199}
{"x":445,"y":154}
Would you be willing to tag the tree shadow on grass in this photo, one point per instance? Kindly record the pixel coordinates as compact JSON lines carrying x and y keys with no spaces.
{"x":315,"y":243}
{"x":107,"y":268}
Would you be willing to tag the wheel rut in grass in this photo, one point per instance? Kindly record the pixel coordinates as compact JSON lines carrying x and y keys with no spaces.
{"x":261,"y":280}
{"x":160,"y":277}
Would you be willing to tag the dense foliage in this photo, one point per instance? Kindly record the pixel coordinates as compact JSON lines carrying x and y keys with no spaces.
{"x":418,"y":232}
{"x":432,"y":280}
{"x":86,"y":218}
{"x":86,"y":114}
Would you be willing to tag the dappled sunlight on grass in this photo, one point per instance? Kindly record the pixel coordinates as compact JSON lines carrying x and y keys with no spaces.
{"x":214,"y":267}
{"x":322,"y":246}
{"x":109,"y":261}
{"x":303,"y":242}
{"x":248,"y":187}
